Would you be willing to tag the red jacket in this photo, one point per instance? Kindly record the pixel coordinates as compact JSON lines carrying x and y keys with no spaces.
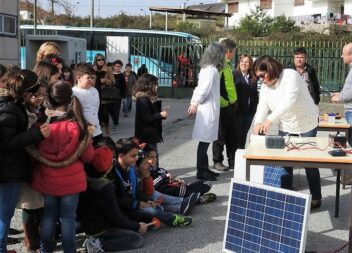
{"x":61,"y":144}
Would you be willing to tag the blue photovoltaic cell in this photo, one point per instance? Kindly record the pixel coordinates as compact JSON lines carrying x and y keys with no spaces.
{"x":261,"y":220}
{"x":272,"y":175}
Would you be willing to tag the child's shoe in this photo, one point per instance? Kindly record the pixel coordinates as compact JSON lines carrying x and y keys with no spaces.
{"x":182,"y":221}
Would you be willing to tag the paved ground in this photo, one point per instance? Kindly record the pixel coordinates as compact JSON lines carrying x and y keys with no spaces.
{"x":325,"y":232}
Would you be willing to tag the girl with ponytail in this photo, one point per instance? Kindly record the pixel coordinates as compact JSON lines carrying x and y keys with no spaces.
{"x":59,"y":174}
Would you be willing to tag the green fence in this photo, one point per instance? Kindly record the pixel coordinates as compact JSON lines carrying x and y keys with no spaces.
{"x":325,"y":56}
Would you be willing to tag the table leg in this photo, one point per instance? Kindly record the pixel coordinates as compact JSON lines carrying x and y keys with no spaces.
{"x":248,"y":170}
{"x":337,"y":199}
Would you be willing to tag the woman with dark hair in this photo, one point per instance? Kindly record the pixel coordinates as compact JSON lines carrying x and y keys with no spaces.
{"x":285,"y":95}
{"x":247,"y":95}
{"x":59,"y":174}
{"x":15,"y":163}
{"x":46,"y":71}
{"x":149,"y":116}
{"x":205,"y":103}
{"x":104,"y":78}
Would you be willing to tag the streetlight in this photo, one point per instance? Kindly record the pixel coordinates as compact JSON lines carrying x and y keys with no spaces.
{"x":145,"y":14}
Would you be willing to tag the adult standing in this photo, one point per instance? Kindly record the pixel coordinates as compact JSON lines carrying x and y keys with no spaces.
{"x":229,"y":118}
{"x":247,"y":92}
{"x":131,"y":79}
{"x":205,"y":103}
{"x":47,"y":48}
{"x":345,"y":96}
{"x":104,"y":79}
{"x":285,"y":95}
{"x":120,"y":84}
{"x":307,"y":72}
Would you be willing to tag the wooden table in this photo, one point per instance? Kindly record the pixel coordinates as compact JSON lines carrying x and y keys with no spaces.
{"x":257,"y":154}
{"x":340,"y":125}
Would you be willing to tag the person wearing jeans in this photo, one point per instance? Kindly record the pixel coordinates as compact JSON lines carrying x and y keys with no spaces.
{"x":313,"y":175}
{"x":63,"y":208}
{"x":286,"y":101}
{"x":9,"y":194}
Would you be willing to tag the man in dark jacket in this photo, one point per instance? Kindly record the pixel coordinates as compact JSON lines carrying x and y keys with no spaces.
{"x":99,"y":213}
{"x":307,"y":72}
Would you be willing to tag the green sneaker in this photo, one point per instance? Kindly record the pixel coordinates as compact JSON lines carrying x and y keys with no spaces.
{"x":182,"y":221}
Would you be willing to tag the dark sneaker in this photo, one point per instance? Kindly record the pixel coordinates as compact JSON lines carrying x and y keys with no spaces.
{"x":182,"y":221}
{"x":215,"y":174}
{"x":114,"y":127}
{"x":206,"y":176}
{"x":207,"y":198}
{"x":188,"y":204}
{"x":315,"y":204}
{"x":220,"y":167}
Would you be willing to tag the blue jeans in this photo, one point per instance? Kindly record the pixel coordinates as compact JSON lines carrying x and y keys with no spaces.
{"x":159,"y":213}
{"x":348,"y":116}
{"x":127,"y":104}
{"x":63,"y":208}
{"x":170,"y":203}
{"x":9,"y":194}
{"x":313,"y":175}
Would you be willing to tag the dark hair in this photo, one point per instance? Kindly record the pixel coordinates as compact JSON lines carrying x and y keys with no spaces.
{"x":3,"y":70}
{"x":117,"y":62}
{"x":267,"y":63}
{"x":25,"y":81}
{"x":128,"y":65}
{"x":13,"y":69}
{"x":58,"y":94}
{"x":108,"y":142}
{"x":228,"y":45}
{"x":45,"y":70}
{"x":53,"y":59}
{"x":149,"y":148}
{"x":146,"y":83}
{"x":300,"y":50}
{"x":125,"y":145}
{"x":82,"y":69}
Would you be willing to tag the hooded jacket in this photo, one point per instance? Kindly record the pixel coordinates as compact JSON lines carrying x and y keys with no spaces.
{"x":60,"y":146}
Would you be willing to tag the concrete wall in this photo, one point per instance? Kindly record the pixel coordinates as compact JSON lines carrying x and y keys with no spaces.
{"x":10,"y":46}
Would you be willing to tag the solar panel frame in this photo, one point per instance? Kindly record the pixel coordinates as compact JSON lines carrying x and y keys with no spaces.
{"x":278,"y":192}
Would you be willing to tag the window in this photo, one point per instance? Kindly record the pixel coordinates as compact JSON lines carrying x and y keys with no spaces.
{"x":266,"y":4}
{"x":8,"y":25}
{"x":232,"y":7}
{"x":299,"y":2}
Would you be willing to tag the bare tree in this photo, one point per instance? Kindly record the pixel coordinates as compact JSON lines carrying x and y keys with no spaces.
{"x":65,"y":5}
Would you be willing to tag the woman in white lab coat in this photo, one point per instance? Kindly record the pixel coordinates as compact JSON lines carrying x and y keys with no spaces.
{"x":205,"y":103}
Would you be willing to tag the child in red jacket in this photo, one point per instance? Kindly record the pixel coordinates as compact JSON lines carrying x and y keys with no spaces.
{"x":59,"y":174}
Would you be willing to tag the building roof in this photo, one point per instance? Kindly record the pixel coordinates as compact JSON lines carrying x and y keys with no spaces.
{"x":28,"y":6}
{"x":204,"y":10}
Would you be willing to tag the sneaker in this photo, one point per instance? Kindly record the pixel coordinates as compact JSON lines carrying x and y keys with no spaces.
{"x":93,"y":245}
{"x":182,"y":221}
{"x":215,"y":174}
{"x":220,"y":167}
{"x":188,"y":204}
{"x":114,"y":127}
{"x":207,"y":198}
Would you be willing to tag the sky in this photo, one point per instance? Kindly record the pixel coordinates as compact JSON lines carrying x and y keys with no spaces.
{"x":113,"y":7}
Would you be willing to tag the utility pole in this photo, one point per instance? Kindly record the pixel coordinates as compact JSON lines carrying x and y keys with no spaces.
{"x":35,"y":17}
{"x":92,"y":14}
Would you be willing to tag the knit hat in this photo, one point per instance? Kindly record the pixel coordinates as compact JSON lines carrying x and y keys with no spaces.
{"x":102,"y":160}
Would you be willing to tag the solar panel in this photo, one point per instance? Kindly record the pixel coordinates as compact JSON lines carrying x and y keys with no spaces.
{"x":262,"y":218}
{"x":272,"y":175}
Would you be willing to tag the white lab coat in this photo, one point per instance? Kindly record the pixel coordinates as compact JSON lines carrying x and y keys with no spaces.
{"x":207,"y":96}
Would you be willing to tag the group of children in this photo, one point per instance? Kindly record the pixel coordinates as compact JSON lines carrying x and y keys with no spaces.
{"x":56,"y":165}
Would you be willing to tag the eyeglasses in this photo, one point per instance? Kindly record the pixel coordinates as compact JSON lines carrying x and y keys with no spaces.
{"x":101,"y":59}
{"x":261,"y":75}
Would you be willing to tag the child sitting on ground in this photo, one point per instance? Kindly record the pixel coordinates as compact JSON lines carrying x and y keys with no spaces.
{"x":128,"y":193}
{"x":168,"y":184}
{"x":98,"y":211}
{"x":169,"y":203}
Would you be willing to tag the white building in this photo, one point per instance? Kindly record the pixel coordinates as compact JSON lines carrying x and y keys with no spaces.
{"x":303,"y":11}
{"x":9,"y":32}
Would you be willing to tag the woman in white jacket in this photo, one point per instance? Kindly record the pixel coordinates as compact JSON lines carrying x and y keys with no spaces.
{"x":286,"y":96}
{"x":206,"y":104}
